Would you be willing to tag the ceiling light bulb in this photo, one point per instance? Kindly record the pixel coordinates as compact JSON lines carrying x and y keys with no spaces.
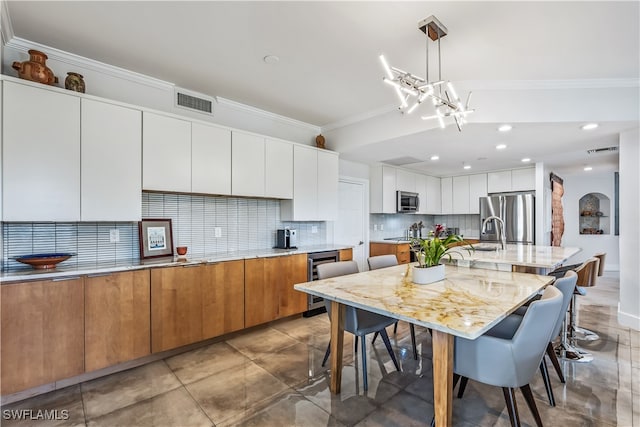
{"x":588,"y":168}
{"x":589,"y":126}
{"x":435,"y":157}
{"x":526,"y":159}
{"x":501,"y":146}
{"x":505,"y":128}
{"x":466,"y":167}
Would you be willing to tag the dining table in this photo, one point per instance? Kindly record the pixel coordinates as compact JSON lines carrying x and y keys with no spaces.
{"x":467,"y":303}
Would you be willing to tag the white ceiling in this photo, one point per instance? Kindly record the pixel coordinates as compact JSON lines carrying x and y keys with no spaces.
{"x":329,"y":71}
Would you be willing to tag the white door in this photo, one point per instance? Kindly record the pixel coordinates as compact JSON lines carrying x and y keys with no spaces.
{"x":353,"y":219}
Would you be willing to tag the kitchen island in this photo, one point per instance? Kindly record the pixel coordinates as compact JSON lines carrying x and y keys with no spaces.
{"x":515,"y":257}
{"x":467,"y":303}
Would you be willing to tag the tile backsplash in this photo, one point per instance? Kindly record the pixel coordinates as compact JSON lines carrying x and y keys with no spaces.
{"x":245,"y":224}
{"x":394,"y":225}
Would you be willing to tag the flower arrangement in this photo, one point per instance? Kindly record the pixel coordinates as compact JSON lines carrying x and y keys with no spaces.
{"x":431,"y":250}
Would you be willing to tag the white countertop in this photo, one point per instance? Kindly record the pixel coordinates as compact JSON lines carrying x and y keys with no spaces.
{"x":77,"y":269}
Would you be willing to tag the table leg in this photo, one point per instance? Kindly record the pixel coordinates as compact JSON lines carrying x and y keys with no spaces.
{"x":442,"y":377}
{"x":338,"y":312}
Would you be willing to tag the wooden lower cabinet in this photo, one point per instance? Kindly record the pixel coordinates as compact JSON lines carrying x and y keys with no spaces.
{"x":346,"y":254}
{"x":42,"y":332}
{"x":269,"y":293}
{"x":117,"y":318}
{"x":195,"y":302}
{"x":402,"y":251}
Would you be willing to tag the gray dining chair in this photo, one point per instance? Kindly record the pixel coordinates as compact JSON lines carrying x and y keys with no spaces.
{"x":384,"y":261}
{"x":511,"y":362}
{"x":358,"y":322}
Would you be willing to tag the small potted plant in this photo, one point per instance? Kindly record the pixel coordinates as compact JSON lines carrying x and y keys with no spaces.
{"x":430,"y":251}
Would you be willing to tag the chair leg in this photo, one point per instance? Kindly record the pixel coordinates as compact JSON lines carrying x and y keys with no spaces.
{"x":373,"y":341}
{"x":463,"y":386}
{"x":365,"y":383}
{"x":387,"y":343}
{"x":326,"y":354}
{"x":547,"y":383}
{"x":412,"y":329}
{"x":355,"y":344}
{"x":512,"y":407}
{"x":395,"y":328}
{"x":555,"y":362}
{"x":528,"y":396}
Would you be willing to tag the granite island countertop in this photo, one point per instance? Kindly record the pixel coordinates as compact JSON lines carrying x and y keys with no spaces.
{"x":72,"y":269}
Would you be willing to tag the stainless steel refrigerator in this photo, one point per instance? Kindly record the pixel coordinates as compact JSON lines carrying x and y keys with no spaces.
{"x":518,"y":213}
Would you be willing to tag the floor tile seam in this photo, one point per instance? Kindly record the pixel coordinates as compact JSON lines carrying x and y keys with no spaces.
{"x":216,"y":373}
{"x":259,"y":355}
{"x":198,"y":405}
{"x":84,"y":411}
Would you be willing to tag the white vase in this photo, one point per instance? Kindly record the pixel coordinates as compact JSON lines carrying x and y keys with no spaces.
{"x":426,"y":275}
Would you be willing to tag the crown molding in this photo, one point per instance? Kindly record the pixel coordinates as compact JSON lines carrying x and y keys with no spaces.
{"x":5,"y":23}
{"x":267,"y":114}
{"x":74,"y":60}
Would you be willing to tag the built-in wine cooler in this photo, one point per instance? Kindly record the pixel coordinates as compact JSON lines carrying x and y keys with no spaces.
{"x":315,"y":303}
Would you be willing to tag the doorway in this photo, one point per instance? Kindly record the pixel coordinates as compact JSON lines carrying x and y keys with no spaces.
{"x":352,"y":226}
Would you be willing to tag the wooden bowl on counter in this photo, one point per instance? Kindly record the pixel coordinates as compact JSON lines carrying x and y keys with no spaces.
{"x":44,"y":261}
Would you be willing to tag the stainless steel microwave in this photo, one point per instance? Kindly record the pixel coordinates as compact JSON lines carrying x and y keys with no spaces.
{"x":407,"y":202}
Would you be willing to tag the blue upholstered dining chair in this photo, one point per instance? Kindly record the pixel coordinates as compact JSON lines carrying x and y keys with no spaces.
{"x":384,"y":261}
{"x":358,"y":322}
{"x":511,"y":362}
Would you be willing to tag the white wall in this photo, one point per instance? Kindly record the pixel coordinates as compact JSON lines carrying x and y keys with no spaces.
{"x":629,"y":306}
{"x":353,"y":169}
{"x":575,"y":187}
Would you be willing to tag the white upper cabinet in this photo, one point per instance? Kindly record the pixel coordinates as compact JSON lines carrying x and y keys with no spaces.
{"x":511,"y":180}
{"x":327,"y":185}
{"x":111,"y":162}
{"x":247,"y":164}
{"x":434,"y":196}
{"x":523,"y":179}
{"x":278,"y":181}
{"x":382,"y":192}
{"x":421,"y":189}
{"x":166,"y":153}
{"x":210,"y":159}
{"x":460,"y":194}
{"x":41,"y":154}
{"x":405,"y":181}
{"x":477,"y":189}
{"x":446,"y":187}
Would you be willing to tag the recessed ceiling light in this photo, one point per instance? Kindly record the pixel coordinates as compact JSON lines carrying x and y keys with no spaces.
{"x":505,"y":128}
{"x":466,"y":167}
{"x":589,"y":126}
{"x":271,"y":59}
{"x":526,"y":159}
{"x":435,"y":157}
{"x":501,"y":146}
{"x":588,"y":168}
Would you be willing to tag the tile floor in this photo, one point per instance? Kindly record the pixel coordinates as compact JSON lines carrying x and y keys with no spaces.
{"x":273,"y":377}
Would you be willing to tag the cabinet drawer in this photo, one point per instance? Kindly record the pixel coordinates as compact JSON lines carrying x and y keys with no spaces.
{"x":404,"y":258}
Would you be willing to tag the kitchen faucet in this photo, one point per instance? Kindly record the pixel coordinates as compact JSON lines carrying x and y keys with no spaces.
{"x":503,"y":237}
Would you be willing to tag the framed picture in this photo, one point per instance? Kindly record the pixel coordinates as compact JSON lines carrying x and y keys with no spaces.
{"x":156,"y":239}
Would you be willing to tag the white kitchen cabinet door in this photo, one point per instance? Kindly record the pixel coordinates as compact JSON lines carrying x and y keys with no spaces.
{"x":111,"y":162}
{"x":460,"y":194}
{"x":41,"y":154}
{"x":421,"y":189}
{"x":166,"y":153}
{"x":278,"y":181}
{"x":210,"y":159}
{"x":327,"y":185}
{"x":477,"y":189}
{"x":499,"y":182}
{"x":434,"y":196}
{"x":523,"y":179}
{"x":446,"y":187}
{"x":405,"y":181}
{"x":304,"y":205}
{"x":389,"y":187}
{"x":247,"y":165}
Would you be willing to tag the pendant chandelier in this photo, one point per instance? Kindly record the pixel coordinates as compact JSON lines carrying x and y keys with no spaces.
{"x":414,"y":90}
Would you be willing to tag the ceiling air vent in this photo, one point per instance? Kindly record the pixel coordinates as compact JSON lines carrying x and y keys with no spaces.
{"x":602,"y":150}
{"x":193,"y":101}
{"x":399,"y":161}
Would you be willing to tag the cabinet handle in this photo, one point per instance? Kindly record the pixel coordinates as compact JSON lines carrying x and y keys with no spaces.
{"x":191,"y":265}
{"x":62,"y":279}
{"x":98,"y":275}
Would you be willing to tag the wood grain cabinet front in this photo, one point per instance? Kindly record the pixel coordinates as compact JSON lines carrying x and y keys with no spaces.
{"x":402,"y":251}
{"x":117,"y":318}
{"x":269,"y":293}
{"x":42,"y":333}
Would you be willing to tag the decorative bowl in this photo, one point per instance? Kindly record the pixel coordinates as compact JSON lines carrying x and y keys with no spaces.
{"x":44,"y":261}
{"x":182,"y":250}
